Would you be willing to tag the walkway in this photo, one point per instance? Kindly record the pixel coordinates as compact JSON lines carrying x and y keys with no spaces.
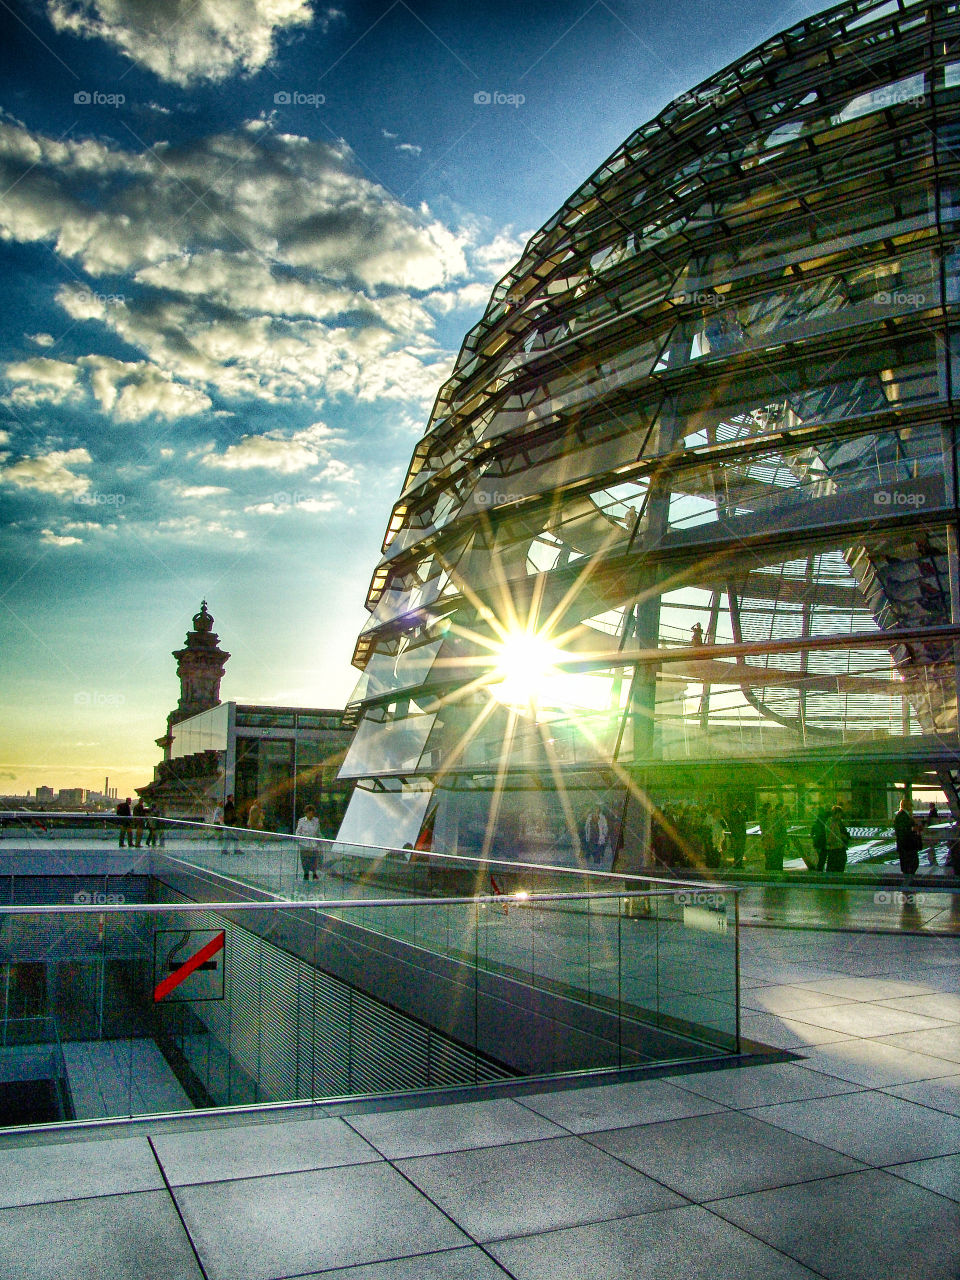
{"x":843,"y":1163}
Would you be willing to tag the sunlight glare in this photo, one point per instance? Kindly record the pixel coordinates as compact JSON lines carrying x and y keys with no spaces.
{"x":524,"y":668}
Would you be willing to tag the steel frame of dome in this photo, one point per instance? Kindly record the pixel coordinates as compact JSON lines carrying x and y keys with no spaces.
{"x":719,"y":389}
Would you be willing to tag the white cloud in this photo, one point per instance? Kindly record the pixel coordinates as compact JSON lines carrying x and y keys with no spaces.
{"x":129,"y":390}
{"x":133,"y":390}
{"x":336,"y":472}
{"x":293,"y":201}
{"x":50,"y":473}
{"x":408,"y":149}
{"x":199,"y":491}
{"x":58,"y":540}
{"x":41,"y":339}
{"x":42,"y":380}
{"x":190,"y":528}
{"x":249,"y":265}
{"x":283,"y":504}
{"x":284,"y":452}
{"x":187,"y":42}
{"x":497,"y":256}
{"x":467,"y":296}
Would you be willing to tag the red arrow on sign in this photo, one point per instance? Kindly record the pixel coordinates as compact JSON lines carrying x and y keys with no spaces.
{"x":201,"y":957}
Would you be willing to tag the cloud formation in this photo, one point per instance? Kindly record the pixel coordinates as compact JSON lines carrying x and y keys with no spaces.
{"x":245,"y":265}
{"x":50,"y":473}
{"x":128,"y":390}
{"x":283,"y":452}
{"x":41,"y":380}
{"x":52,"y":539}
{"x":187,"y":41}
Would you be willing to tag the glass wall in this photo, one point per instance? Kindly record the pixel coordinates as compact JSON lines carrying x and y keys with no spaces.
{"x":690,"y":494}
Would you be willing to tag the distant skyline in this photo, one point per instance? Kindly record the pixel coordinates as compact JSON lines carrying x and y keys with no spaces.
{"x":240,"y":246}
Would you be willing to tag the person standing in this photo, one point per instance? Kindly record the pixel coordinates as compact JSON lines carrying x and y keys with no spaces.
{"x":909,"y":839}
{"x":308,"y":831}
{"x":123,"y":813}
{"x":775,"y":839}
{"x":230,"y":822}
{"x":737,"y":840}
{"x":818,"y":838}
{"x":139,"y":816}
{"x":256,"y":816}
{"x":217,"y":821}
{"x":837,"y":839}
{"x":596,"y":835}
{"x":715,"y":834}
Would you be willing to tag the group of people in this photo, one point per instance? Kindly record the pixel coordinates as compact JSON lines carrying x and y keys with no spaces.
{"x":702,"y":837}
{"x":136,"y":821}
{"x":697,"y":836}
{"x":597,"y":837}
{"x":830,"y":838}
{"x":227,"y":820}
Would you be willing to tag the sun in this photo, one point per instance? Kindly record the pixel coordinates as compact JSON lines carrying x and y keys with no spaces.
{"x":525,"y":667}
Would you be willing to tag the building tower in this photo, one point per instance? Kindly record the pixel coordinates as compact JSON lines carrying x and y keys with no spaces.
{"x":200,"y":666}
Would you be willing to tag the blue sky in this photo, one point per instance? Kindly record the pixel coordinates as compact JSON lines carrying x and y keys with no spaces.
{"x":241,"y":241}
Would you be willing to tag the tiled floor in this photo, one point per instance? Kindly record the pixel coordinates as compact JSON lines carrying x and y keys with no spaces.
{"x":842,"y":1163}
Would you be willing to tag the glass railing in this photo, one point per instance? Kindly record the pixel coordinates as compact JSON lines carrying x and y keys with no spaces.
{"x":871,"y":895}
{"x":291,"y":867}
{"x":166,"y":1006}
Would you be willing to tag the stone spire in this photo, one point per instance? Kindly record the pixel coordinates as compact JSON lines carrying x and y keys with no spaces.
{"x":200,"y":665}
{"x":200,"y":668}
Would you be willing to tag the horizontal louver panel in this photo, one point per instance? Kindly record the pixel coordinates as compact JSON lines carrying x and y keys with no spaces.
{"x":287,"y":1031}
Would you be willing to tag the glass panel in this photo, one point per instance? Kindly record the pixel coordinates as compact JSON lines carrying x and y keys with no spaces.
{"x":387,"y":747}
{"x":391,"y":818}
{"x":204,"y":732}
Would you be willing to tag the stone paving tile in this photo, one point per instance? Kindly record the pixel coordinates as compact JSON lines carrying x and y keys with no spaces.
{"x":775,"y":975}
{"x":875,"y":1064}
{"x":863,"y":1226}
{"x":534,"y":1186}
{"x":705,"y":1157}
{"x":941,"y":1174}
{"x":689,"y":1243}
{"x":876,"y":988}
{"x":870,"y":1020}
{"x":785,"y":1033}
{"x":788,"y":999}
{"x":133,"y":1237}
{"x":942,"y":1094}
{"x":941,"y":1042}
{"x":612,"y":1106}
{"x":214,"y":1155}
{"x":427,"y":1131}
{"x":945,"y":1005}
{"x":758,"y":1086}
{"x":451,"y":1264}
{"x":71,"y":1170}
{"x":876,"y":1128}
{"x":296,"y":1223}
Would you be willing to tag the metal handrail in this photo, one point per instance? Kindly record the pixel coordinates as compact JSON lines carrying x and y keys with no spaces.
{"x":520,"y":898}
{"x":342,"y":849}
